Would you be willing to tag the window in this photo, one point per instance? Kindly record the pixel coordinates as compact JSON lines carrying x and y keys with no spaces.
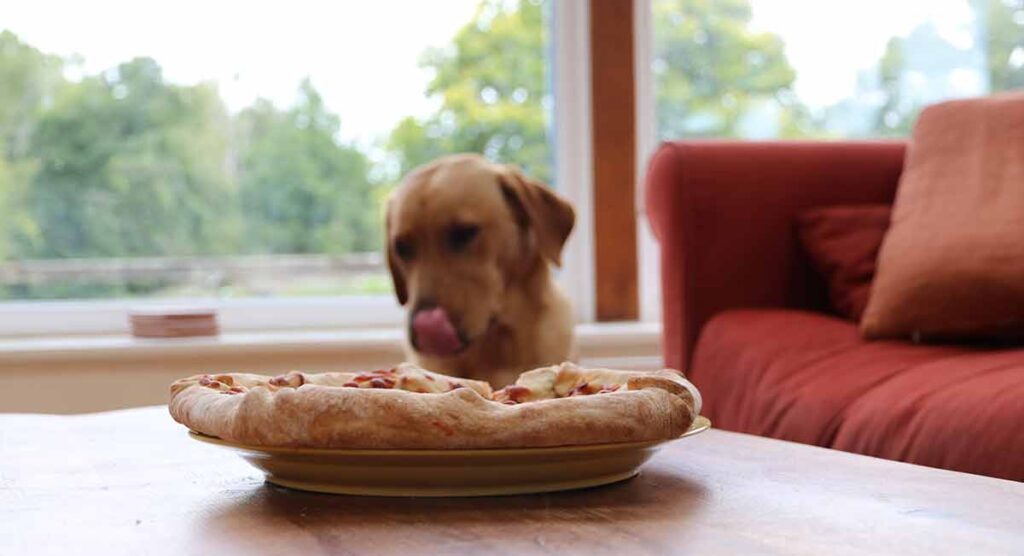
{"x":826,"y":69}
{"x":218,"y":152}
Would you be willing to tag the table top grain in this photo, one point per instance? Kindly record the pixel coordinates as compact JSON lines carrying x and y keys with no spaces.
{"x":133,"y":482}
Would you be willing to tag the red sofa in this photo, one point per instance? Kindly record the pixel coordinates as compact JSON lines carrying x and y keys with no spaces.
{"x":748,"y":320}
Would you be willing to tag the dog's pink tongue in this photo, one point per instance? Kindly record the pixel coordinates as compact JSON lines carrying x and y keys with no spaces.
{"x":435,"y":333}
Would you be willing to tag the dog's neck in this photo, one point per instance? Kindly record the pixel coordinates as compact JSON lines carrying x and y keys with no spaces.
{"x":530,"y":290}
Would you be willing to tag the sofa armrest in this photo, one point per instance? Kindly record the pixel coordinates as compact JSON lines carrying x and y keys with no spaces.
{"x":723,"y":213}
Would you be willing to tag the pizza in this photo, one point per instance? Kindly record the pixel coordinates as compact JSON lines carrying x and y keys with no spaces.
{"x":407,"y":407}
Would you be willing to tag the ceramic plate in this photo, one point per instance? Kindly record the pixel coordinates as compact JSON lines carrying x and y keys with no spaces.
{"x":450,"y":472}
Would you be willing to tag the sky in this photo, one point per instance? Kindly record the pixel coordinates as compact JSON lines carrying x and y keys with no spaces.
{"x":829,"y":41}
{"x":363,"y":55}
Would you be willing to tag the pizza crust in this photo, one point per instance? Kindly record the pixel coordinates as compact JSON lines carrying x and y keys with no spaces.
{"x":317,"y":411}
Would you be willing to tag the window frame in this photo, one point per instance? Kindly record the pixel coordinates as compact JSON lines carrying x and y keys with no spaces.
{"x":648,"y":254}
{"x":573,"y":149}
{"x":86,"y":317}
{"x":570,"y":62}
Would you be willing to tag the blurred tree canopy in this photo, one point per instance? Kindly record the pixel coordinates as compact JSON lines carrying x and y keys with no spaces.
{"x":301,"y":190}
{"x":896,"y":115}
{"x":492,"y":85}
{"x":130,"y":165}
{"x":1001,"y":53}
{"x":1003,"y":23}
{"x":28,"y":79}
{"x":125,"y":164}
{"x":711,"y":69}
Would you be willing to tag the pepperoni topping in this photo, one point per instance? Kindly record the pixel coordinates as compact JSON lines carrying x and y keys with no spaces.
{"x":583,"y":389}
{"x":366,"y":377}
{"x":518,"y":393}
{"x":376,"y":379}
{"x":379,"y":373}
{"x":579,"y":390}
{"x":586,"y":389}
{"x":512,"y":393}
{"x":382,"y":383}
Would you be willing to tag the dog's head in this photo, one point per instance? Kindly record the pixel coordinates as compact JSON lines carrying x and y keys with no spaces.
{"x":460,"y":232}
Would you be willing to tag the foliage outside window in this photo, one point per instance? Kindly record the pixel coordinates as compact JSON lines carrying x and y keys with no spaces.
{"x":754,"y":68}
{"x":125,"y":183}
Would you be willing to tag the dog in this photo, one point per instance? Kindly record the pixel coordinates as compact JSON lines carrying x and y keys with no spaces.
{"x":470,"y":245}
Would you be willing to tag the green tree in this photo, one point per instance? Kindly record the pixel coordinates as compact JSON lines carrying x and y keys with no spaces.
{"x":491,"y":84}
{"x":302,"y":190}
{"x":1003,"y":24}
{"x":896,"y":116}
{"x":711,"y":70}
{"x":16,"y":223}
{"x":1001,"y":34}
{"x":131,"y":165}
{"x":27,"y":79}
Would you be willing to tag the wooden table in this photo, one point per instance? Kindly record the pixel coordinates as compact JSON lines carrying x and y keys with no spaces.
{"x":132,"y":482}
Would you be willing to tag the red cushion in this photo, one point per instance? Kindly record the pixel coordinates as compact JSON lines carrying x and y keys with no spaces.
{"x":811,"y":378}
{"x":842,"y":244}
{"x":952,"y":265}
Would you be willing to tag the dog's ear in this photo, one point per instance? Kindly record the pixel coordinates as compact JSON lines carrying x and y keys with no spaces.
{"x":397,"y":278}
{"x":538,"y":209}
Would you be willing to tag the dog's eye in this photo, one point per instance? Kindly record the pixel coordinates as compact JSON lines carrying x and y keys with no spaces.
{"x":460,"y":235}
{"x":404,"y":250}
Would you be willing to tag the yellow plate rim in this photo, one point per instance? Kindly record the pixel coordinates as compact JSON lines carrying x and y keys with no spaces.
{"x":700,"y":424}
{"x":449,"y":492}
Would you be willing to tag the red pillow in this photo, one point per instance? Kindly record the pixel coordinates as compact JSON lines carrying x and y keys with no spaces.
{"x":842,"y":243}
{"x":952,"y":265}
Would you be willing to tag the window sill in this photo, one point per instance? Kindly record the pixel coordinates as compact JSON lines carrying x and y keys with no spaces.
{"x":600,"y":343}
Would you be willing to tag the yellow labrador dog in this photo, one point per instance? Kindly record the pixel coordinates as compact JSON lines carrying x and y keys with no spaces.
{"x":470,"y":245}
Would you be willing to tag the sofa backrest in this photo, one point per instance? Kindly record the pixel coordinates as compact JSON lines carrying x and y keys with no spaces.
{"x":724,"y":212}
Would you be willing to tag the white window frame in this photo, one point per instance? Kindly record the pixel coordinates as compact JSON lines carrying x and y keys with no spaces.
{"x":648,"y":255}
{"x":573,"y":148}
{"x":78,"y":318}
{"x":573,"y":162}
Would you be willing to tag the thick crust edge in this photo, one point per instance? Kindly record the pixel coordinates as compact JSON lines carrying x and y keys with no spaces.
{"x":652,"y":406}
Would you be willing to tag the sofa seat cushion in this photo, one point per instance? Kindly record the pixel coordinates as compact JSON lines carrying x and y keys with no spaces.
{"x":811,"y":378}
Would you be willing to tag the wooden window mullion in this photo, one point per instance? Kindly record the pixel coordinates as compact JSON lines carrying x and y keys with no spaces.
{"x":613,"y":106}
